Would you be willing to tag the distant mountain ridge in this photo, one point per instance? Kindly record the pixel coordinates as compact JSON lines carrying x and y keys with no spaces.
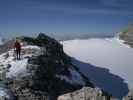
{"x":72,"y":36}
{"x":127,"y":35}
{"x":1,"y":42}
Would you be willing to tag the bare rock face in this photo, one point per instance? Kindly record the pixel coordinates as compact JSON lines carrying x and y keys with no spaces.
{"x":86,"y":93}
{"x":127,"y":35}
{"x":129,"y":96}
{"x":22,"y":91}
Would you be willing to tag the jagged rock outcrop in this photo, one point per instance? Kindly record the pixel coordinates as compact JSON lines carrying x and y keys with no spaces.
{"x":45,"y":70}
{"x":86,"y":93}
{"x":127,"y":35}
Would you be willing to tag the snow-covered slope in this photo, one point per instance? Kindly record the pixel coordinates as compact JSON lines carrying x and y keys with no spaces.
{"x":16,"y":68}
{"x":12,"y":68}
{"x":111,"y":54}
{"x":4,"y":93}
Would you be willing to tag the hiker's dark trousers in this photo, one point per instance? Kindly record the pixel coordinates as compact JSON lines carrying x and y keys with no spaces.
{"x":18,"y":53}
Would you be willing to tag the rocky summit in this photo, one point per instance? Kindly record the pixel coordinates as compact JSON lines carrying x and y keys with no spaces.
{"x":43,"y":73}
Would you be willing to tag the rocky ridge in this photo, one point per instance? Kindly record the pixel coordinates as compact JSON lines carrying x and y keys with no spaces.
{"x":43,"y":73}
{"x":127,"y":35}
{"x":86,"y":93}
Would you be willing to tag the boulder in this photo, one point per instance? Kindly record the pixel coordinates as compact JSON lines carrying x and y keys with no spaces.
{"x":86,"y":93}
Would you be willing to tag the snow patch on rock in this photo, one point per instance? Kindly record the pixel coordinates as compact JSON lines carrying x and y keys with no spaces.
{"x":3,"y":94}
{"x":74,"y":79}
{"x":12,"y":68}
{"x":17,"y":67}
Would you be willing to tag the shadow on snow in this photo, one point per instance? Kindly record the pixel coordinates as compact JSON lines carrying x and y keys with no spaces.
{"x":102,"y":78}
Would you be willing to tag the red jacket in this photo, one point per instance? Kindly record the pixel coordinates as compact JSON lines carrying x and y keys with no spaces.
{"x":17,"y":45}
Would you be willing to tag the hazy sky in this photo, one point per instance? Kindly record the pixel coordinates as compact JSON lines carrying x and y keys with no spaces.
{"x":64,"y":16}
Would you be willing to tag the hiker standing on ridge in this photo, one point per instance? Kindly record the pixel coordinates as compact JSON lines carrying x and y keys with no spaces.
{"x":17,"y":47}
